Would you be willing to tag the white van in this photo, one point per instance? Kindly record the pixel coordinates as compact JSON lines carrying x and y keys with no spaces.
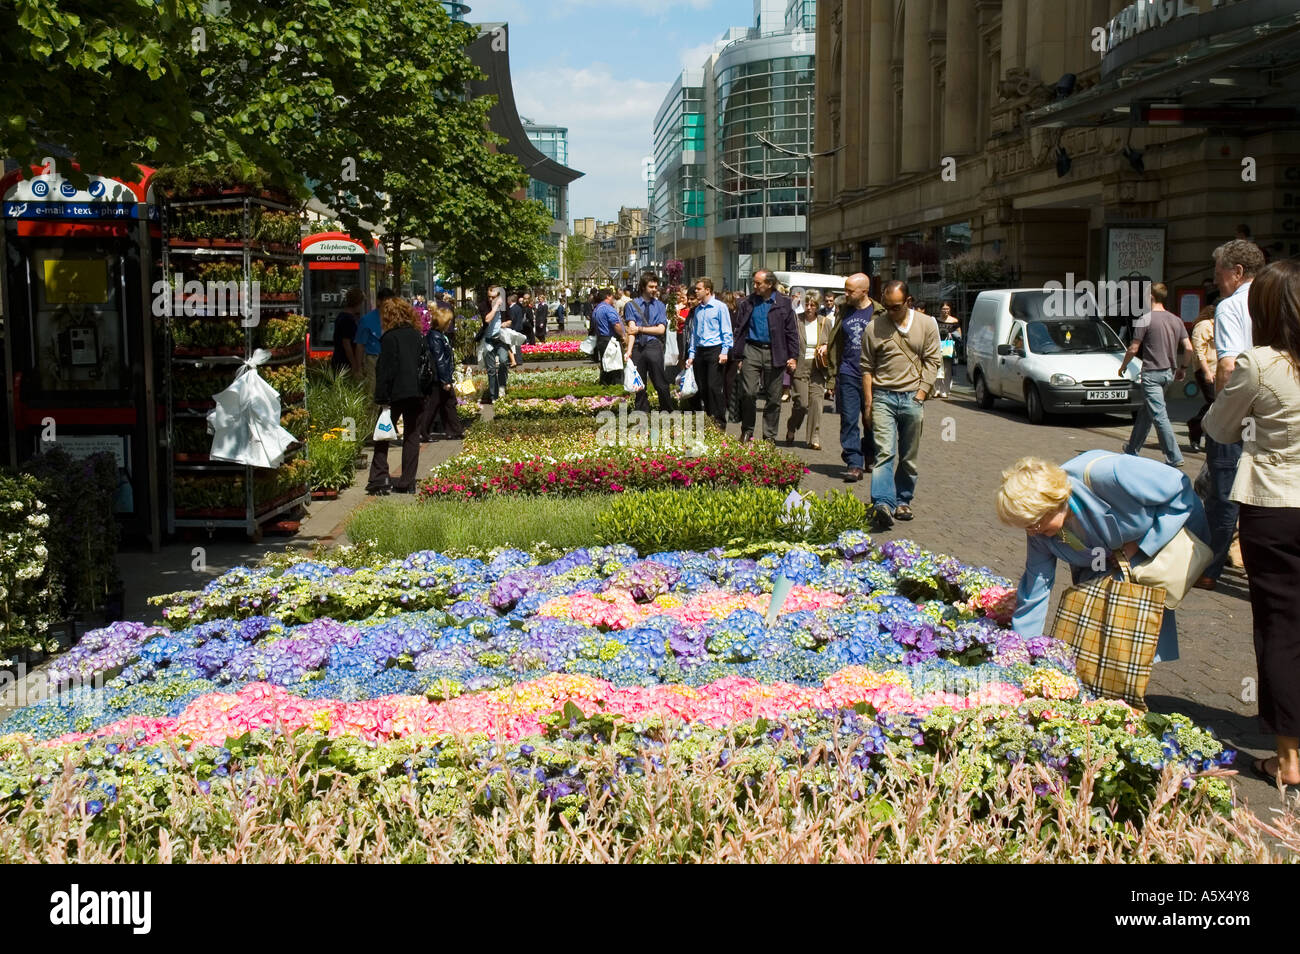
{"x":1018,"y":348}
{"x":810,"y":281}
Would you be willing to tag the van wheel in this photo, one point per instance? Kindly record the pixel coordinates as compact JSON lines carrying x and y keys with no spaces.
{"x":982,"y":396}
{"x":1034,"y":405}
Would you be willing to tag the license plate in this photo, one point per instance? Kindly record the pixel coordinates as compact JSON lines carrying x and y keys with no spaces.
{"x":1119,"y":395}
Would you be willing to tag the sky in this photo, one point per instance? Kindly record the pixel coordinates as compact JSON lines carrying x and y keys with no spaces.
{"x":602,"y":68}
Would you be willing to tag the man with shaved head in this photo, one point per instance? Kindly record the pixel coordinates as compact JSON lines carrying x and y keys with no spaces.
{"x":843,"y":356}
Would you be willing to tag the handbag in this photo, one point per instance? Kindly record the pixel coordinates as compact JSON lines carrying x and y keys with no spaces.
{"x":588,"y":345}
{"x":1177,"y":566}
{"x":1113,"y":626}
{"x":687,"y":386}
{"x":671,"y":352}
{"x":464,"y":386}
{"x":428,"y":370}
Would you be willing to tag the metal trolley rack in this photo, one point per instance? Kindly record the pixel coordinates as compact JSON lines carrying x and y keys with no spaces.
{"x":261,"y":508}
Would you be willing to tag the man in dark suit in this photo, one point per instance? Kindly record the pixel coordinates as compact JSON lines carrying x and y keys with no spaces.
{"x":541,"y":318}
{"x":767,"y":339}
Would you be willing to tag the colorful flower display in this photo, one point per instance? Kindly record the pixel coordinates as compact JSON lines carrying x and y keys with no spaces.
{"x":885,"y":640}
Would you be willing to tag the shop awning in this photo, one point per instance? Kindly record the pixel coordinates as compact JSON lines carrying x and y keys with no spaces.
{"x":1247,"y":77}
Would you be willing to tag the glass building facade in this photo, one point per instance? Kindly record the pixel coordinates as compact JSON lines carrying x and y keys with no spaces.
{"x":771,"y":98}
{"x":679,"y":157}
{"x":711,"y":165}
{"x":553,"y":142}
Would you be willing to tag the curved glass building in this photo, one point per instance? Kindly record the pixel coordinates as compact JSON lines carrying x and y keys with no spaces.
{"x":727,"y":202}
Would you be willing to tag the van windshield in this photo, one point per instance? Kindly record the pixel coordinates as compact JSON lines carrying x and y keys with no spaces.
{"x":1071,"y":337}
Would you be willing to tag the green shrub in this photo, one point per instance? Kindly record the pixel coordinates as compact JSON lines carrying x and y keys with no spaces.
{"x":29,"y":585}
{"x":83,"y":531}
{"x":339,"y":407}
{"x":396,"y":528}
{"x":700,"y":518}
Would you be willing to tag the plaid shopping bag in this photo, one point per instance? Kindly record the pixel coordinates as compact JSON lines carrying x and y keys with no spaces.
{"x":1113,"y":626}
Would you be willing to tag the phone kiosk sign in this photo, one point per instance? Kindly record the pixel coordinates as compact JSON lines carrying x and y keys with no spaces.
{"x":334,"y":263}
{"x":79,"y":344}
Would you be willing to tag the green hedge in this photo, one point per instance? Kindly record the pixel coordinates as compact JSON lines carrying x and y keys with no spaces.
{"x":700,"y":518}
{"x":650,"y":521}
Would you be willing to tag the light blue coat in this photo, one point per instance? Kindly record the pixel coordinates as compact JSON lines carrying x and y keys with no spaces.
{"x":1132,"y":498}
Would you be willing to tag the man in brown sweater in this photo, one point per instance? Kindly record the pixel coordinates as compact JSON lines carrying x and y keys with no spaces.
{"x":900,"y":361}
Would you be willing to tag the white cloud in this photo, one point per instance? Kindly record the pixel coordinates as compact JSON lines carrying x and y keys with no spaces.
{"x":693,"y":57}
{"x":610,"y":121}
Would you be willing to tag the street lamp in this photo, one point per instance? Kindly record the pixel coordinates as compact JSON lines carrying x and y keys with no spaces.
{"x":764,"y":138}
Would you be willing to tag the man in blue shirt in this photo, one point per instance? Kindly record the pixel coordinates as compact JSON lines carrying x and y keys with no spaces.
{"x":606,"y":322}
{"x":369,"y":332}
{"x":768,"y":337}
{"x":844,"y":359}
{"x":647,"y":325}
{"x":708,"y":340}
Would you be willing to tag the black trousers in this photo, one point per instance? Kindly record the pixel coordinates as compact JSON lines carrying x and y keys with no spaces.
{"x":1270,"y":548}
{"x":709,"y":375}
{"x":440,"y":406}
{"x":648,"y":356}
{"x":408,"y":410}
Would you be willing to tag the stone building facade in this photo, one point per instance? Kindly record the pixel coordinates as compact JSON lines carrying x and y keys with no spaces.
{"x":1018,"y":141}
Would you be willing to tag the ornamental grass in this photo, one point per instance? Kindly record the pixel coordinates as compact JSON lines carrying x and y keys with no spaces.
{"x":667,"y":796}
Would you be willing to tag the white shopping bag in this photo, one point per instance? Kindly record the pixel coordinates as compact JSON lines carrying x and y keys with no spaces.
{"x":245,"y":424}
{"x":384,"y":429}
{"x":632,"y":379}
{"x":671,"y":352}
{"x":513,"y":339}
{"x":613,"y":359}
{"x":588,"y":345}
{"x":686,"y":385}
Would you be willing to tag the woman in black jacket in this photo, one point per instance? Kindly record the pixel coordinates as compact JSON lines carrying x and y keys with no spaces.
{"x":397,"y":386}
{"x":441,"y":402}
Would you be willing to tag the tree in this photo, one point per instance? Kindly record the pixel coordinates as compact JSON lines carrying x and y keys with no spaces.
{"x":512,"y":256}
{"x":577,"y":252}
{"x":105,"y":80}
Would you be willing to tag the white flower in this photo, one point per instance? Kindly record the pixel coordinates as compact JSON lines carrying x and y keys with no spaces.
{"x":38,"y":519}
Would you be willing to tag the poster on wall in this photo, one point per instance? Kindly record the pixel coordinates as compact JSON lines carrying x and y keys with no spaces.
{"x":1133,"y":252}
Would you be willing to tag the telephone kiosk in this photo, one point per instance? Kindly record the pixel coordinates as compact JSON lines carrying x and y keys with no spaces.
{"x":79,"y":344}
{"x":334,"y":263}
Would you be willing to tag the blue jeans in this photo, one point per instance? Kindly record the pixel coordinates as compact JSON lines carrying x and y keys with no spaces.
{"x":849,"y":400}
{"x":896,"y":426}
{"x":1222,"y":459}
{"x":1153,"y":411}
{"x":498,"y":368}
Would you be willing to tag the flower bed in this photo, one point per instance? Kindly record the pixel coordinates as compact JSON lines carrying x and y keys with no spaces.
{"x":612,"y":470}
{"x":552,"y":350}
{"x":880,"y":666}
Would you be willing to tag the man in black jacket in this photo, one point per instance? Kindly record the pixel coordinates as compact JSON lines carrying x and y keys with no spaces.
{"x":767,"y":340}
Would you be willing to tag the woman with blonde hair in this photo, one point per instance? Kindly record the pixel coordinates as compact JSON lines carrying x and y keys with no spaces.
{"x":397,"y":387}
{"x":1082,"y":512}
{"x":1261,"y":408}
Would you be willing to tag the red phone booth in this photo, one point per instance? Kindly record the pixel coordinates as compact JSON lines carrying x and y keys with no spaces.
{"x":334,"y":262}
{"x":79,"y":347}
